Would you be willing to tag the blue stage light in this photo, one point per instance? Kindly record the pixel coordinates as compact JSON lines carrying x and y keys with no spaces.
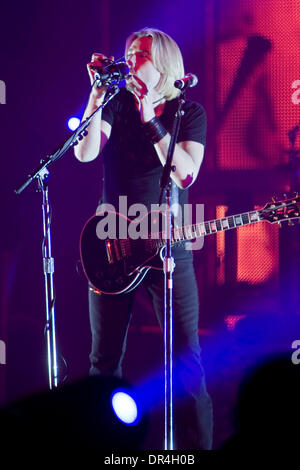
{"x":73,"y":123}
{"x":125,"y":407}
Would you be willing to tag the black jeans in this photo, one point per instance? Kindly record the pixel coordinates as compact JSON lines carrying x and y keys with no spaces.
{"x":110,"y":316}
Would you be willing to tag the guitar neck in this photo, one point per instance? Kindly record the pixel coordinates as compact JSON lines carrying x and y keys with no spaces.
{"x":190,"y":232}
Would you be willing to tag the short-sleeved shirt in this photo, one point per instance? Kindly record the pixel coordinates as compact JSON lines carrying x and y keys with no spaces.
{"x":131,"y":164}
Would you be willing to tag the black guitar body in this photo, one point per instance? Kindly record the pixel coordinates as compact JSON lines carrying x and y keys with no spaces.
{"x":115,"y":265}
{"x":117,"y":252}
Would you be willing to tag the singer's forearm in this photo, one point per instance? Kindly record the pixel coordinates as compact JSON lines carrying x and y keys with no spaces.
{"x":187,"y":159}
{"x":89,"y":147}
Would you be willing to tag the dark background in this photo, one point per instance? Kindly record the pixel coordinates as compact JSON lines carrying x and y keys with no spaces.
{"x":248,"y":307}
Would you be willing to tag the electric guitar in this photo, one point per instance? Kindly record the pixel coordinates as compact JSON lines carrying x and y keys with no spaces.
{"x":115,"y":265}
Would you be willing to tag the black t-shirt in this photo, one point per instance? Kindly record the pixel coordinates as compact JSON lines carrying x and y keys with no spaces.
{"x":131,"y":164}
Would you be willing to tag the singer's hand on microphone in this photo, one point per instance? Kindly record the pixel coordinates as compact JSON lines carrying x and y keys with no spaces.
{"x":143,"y":97}
{"x":98,"y":60}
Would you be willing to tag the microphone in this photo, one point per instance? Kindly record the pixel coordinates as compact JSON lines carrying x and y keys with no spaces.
{"x":189,"y":80}
{"x":112,"y":73}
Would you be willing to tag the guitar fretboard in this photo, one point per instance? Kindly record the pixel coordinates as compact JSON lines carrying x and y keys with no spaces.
{"x":190,"y":232}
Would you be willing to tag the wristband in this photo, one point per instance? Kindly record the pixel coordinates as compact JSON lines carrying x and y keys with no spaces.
{"x":155,"y":130}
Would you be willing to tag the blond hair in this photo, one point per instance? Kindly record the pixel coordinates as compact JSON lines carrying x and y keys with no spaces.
{"x":167,"y":59}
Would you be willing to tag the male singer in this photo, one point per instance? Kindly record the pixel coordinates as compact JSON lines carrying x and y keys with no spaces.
{"x":132,"y":135}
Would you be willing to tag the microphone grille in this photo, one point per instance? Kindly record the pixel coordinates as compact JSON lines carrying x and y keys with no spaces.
{"x":194,"y":79}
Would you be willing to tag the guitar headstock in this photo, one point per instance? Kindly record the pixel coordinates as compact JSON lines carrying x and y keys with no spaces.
{"x":279,"y":211}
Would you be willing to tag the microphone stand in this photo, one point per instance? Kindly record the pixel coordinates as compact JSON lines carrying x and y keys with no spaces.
{"x":168,"y":267}
{"x":42,"y":174}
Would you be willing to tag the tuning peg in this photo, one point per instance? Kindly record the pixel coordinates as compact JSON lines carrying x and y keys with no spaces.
{"x":291,"y":223}
{"x":280,"y":224}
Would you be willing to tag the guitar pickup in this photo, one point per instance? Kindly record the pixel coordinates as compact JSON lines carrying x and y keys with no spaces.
{"x":114,"y":250}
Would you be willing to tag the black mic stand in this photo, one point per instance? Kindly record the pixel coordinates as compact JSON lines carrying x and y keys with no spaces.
{"x":168,"y":266}
{"x":42,"y":174}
